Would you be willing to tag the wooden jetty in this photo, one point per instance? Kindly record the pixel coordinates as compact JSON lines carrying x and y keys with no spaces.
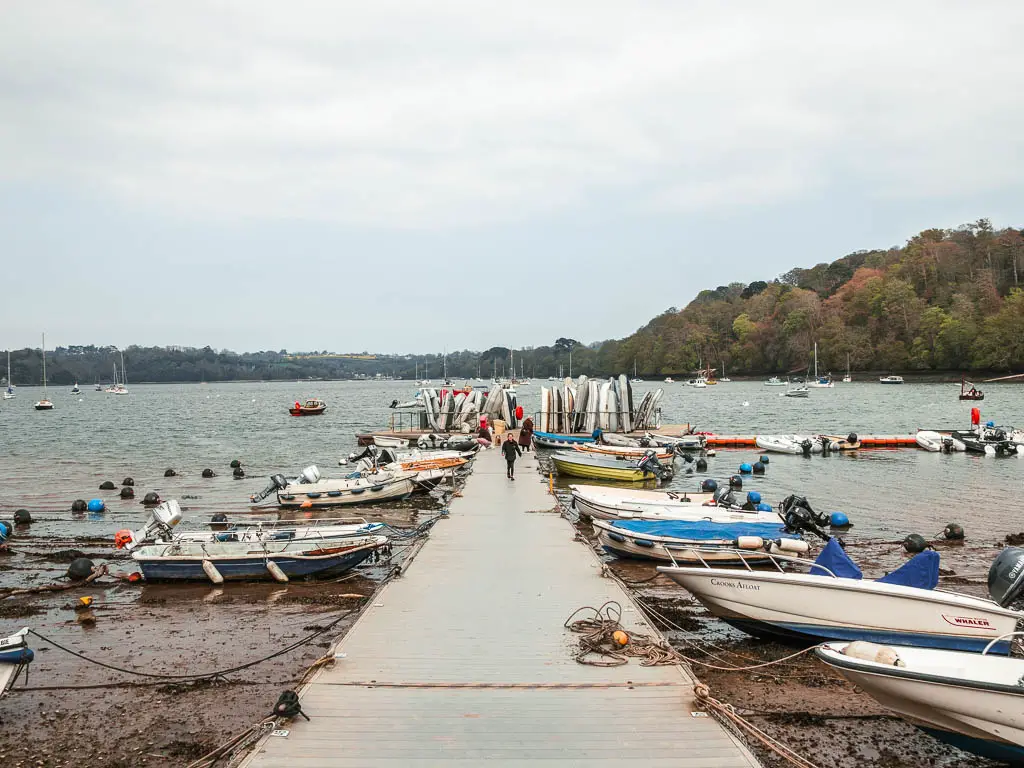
{"x":465,"y":659}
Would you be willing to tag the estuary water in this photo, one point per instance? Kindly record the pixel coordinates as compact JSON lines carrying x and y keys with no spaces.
{"x":51,"y":458}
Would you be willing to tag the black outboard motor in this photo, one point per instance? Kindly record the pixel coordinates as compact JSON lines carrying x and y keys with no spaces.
{"x":1006,"y":576}
{"x":650,"y":463}
{"x":806,"y":446}
{"x":277,"y":483}
{"x":826,"y":444}
{"x":798,"y":516}
{"x":724,"y":497}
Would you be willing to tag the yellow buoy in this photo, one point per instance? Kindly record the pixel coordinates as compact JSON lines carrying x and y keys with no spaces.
{"x":620,"y":638}
{"x":85,"y":600}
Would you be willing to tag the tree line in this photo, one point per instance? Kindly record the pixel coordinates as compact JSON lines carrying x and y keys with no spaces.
{"x":948,"y":300}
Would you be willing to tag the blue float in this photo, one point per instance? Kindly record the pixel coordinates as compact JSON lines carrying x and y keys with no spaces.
{"x":745,"y":469}
{"x":758,"y":468}
{"x":754,"y":497}
{"x":762,"y":507}
{"x":5,"y":532}
{"x":96,"y":505}
{"x":839,"y":520}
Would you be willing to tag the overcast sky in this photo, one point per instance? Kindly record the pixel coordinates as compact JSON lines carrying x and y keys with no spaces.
{"x":407,"y":176}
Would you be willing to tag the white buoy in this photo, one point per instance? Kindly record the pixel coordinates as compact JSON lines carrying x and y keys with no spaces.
{"x":276,"y":572}
{"x":750,"y":542}
{"x":212,"y":573}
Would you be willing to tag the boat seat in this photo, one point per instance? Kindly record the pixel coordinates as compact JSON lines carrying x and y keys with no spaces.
{"x":921,"y":571}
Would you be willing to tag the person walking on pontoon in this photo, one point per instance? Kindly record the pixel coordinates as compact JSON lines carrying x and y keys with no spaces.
{"x":512,"y":451}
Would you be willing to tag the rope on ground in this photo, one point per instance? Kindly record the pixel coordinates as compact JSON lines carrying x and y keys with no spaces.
{"x":236,"y":743}
{"x":604,"y":636}
{"x":727,"y":713}
{"x":205,"y":675}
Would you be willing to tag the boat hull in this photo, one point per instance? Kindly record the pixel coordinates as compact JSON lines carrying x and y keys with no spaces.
{"x":254,"y":568}
{"x":598,"y":507}
{"x":622,"y":542}
{"x":326,"y":494}
{"x":972,"y":702}
{"x":808,"y":608}
{"x":307,"y":411}
{"x":600,"y":472}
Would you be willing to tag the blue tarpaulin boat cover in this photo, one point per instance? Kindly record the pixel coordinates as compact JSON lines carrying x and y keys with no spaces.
{"x":921,"y":571}
{"x":702,"y":529}
{"x":834,"y":557}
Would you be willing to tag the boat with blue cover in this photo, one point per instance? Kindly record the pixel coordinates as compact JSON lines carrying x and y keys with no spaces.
{"x":247,"y":561}
{"x":833,"y":601}
{"x":677,"y":541}
{"x":554,"y":440}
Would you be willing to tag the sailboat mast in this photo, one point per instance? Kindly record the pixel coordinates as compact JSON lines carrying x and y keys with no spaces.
{"x":124,"y":376}
{"x":815,"y":359}
{"x":44,"y":367}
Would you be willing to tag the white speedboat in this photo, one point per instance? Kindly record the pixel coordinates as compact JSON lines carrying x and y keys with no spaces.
{"x":669,"y":380}
{"x":700,"y":382}
{"x":936,"y":442}
{"x":890,"y":380}
{"x":798,"y":390}
{"x":775,"y":381}
{"x":973,"y":701}
{"x":834,"y":602}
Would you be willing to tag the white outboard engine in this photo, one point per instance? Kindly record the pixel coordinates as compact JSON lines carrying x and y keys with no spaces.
{"x":160,"y":526}
{"x":1006,"y":576}
{"x":309,"y":475}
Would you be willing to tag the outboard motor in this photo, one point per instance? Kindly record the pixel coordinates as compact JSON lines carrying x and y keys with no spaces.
{"x":826,"y":444}
{"x":159,"y":527}
{"x":309,"y":475}
{"x":798,"y":516}
{"x":947,"y":445}
{"x":1006,"y":576}
{"x":650,"y":463}
{"x":277,"y":483}
{"x":806,"y":446}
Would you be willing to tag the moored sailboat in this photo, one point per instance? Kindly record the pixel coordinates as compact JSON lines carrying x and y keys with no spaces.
{"x":44,"y":404}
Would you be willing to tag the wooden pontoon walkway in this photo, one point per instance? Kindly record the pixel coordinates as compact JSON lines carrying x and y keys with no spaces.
{"x":484,"y":603}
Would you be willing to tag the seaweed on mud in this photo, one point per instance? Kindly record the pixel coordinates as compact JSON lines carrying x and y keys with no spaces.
{"x":189,"y":750}
{"x":10,"y":610}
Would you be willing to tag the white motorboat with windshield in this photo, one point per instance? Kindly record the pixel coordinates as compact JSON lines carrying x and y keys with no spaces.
{"x":890,"y":380}
{"x":834,"y":602}
{"x":775,"y":381}
{"x":309,"y":489}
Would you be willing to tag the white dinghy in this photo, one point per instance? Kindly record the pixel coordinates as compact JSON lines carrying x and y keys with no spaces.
{"x":936,"y":442}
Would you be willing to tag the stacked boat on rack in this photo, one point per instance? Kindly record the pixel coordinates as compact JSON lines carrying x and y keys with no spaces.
{"x":584,"y":404}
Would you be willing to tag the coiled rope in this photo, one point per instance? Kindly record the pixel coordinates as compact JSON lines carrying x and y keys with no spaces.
{"x":599,"y":638}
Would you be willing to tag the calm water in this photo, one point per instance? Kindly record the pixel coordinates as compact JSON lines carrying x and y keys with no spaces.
{"x":50,"y":459}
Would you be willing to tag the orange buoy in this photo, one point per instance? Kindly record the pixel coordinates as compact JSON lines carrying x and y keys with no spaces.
{"x":306,"y":504}
{"x":620,"y":638}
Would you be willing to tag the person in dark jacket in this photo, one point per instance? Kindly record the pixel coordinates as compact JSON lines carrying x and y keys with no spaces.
{"x":511,"y":450}
{"x":526,"y":434}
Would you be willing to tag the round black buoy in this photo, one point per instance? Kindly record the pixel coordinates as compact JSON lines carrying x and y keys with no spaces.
{"x":208,"y":472}
{"x":952,"y":531}
{"x":169,"y":473}
{"x":107,"y":485}
{"x":79,"y":505}
{"x":238,"y":472}
{"x":22,"y":517}
{"x":709,"y":485}
{"x":80,"y":568}
{"x":151,"y":499}
{"x":702,"y":465}
{"x":127,"y":481}
{"x":127,"y":492}
{"x":915,"y":543}
{"x":765,"y":459}
{"x":235,"y":464}
{"x":758,"y":468}
{"x":735,"y":481}
{"x":219,"y":522}
{"x":851,"y":438}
